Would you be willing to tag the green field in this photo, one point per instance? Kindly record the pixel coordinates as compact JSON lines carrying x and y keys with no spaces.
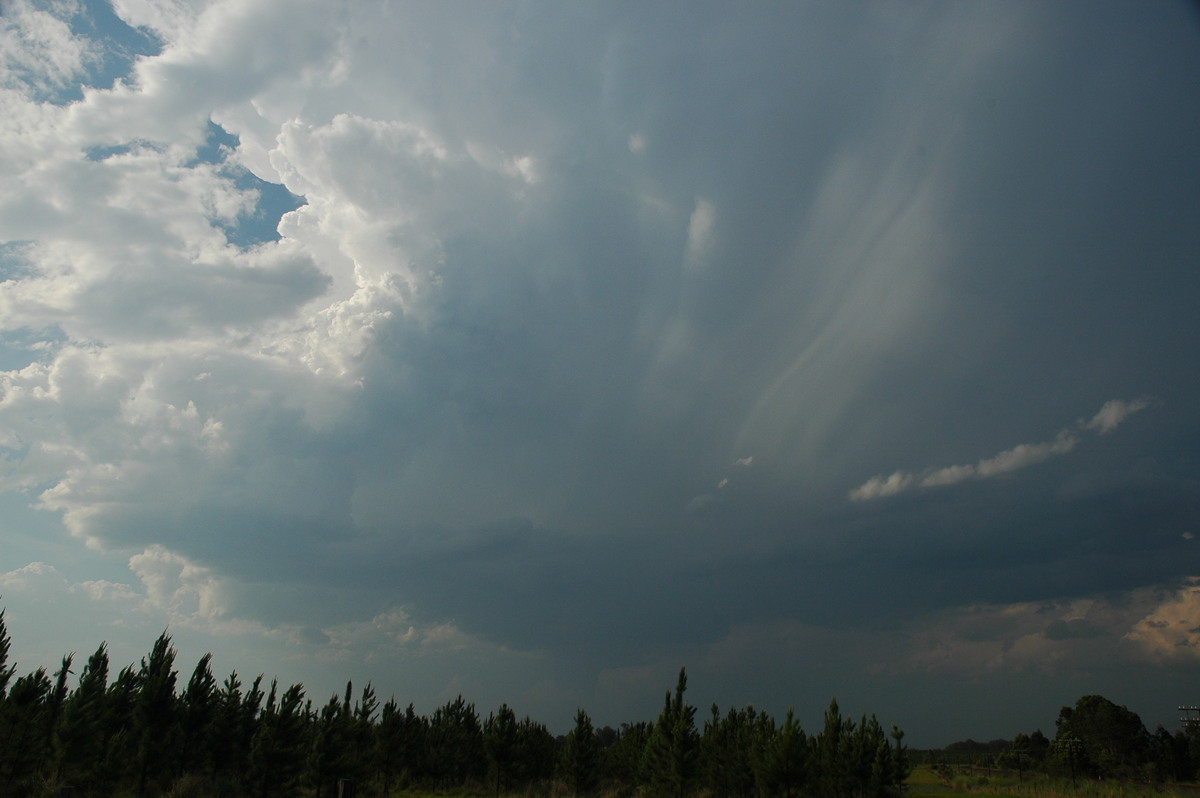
{"x":926,"y":782}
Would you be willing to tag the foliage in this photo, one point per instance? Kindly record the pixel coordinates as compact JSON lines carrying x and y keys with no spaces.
{"x":141,"y":733}
{"x":580,"y":765}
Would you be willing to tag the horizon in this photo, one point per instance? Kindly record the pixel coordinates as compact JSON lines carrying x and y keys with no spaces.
{"x":527,"y":352}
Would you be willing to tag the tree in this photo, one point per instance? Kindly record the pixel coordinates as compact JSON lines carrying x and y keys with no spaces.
{"x":22,"y":728}
{"x":156,"y":715}
{"x":783,"y":760}
{"x":500,"y":742}
{"x":534,"y":759}
{"x":6,"y":670}
{"x":277,"y":753}
{"x":119,"y":725}
{"x":901,"y":766}
{"x":400,"y":741}
{"x":581,"y":756}
{"x":362,"y":733}
{"x":79,"y":744}
{"x":198,"y":715}
{"x":390,"y":750}
{"x":54,"y":708}
{"x":731,"y":750}
{"x":672,"y":750}
{"x":624,"y":760}
{"x":830,"y":756}
{"x":331,"y":745}
{"x":454,"y":744}
{"x":1114,"y":741}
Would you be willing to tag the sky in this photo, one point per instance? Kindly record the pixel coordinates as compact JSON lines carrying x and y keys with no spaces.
{"x":530,"y":351}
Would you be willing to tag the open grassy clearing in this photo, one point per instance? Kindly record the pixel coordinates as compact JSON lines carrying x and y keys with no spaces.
{"x":926,"y":782}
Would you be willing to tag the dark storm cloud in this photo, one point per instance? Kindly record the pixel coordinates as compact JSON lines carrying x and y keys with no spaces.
{"x":596,"y":321}
{"x":538,"y":449}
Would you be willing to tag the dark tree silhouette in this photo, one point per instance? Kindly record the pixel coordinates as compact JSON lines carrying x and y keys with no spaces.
{"x":581,"y":756}
{"x":671,"y":752}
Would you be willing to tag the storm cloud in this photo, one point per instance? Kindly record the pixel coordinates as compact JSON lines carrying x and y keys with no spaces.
{"x":529,"y":350}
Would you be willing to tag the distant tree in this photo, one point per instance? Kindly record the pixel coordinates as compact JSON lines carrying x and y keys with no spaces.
{"x":830,"y":755}
{"x":55,"y":701}
{"x":278,"y":752}
{"x":454,"y":750}
{"x":901,"y":765}
{"x":605,"y":737}
{"x":500,"y":743}
{"x":198,"y":714}
{"x":581,"y":756}
{"x":389,"y":745}
{"x":23,"y":723}
{"x":156,"y":716}
{"x":120,"y":734}
{"x":780,"y":757}
{"x":1039,"y":746}
{"x":1169,"y":756}
{"x":1113,"y":739}
{"x":362,"y":735}
{"x":672,"y":751}
{"x":6,"y":670}
{"x":329,"y":742}
{"x":534,"y":759}
{"x":79,"y":743}
{"x":235,"y":724}
{"x":402,"y":744}
{"x":623,"y":762}
{"x":732,"y":748}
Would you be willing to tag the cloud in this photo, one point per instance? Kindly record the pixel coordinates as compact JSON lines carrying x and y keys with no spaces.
{"x":1057,"y":635}
{"x":701,"y":231}
{"x":1021,"y":456}
{"x":37,"y":48}
{"x":1114,"y":412}
{"x":1171,"y":631}
{"x":184,"y":591}
{"x":879,"y":487}
{"x":558,"y":269}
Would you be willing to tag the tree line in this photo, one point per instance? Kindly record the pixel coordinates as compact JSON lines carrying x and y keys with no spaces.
{"x":1094,"y":739}
{"x":144,"y":733}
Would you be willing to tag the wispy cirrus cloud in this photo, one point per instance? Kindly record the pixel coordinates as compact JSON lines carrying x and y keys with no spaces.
{"x":1108,"y":418}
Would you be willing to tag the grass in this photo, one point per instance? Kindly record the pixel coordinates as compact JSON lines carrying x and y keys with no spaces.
{"x":925,"y":782}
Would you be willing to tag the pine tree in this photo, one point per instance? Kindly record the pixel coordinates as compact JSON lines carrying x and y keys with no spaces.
{"x":330,"y":746}
{"x":23,"y":717}
{"x":500,"y":743}
{"x":198,"y":713}
{"x":901,"y":767}
{"x":624,"y":760}
{"x":730,"y":750}
{"x":236,"y":723}
{"x":362,"y":734}
{"x":79,"y":743}
{"x":671,"y":753}
{"x":6,"y":670}
{"x":388,"y":737}
{"x":830,"y":754}
{"x":157,"y":715}
{"x":454,"y":744}
{"x":580,"y":757}
{"x":278,"y":752}
{"x":783,"y":760}
{"x":119,"y":747}
{"x":535,"y":754}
